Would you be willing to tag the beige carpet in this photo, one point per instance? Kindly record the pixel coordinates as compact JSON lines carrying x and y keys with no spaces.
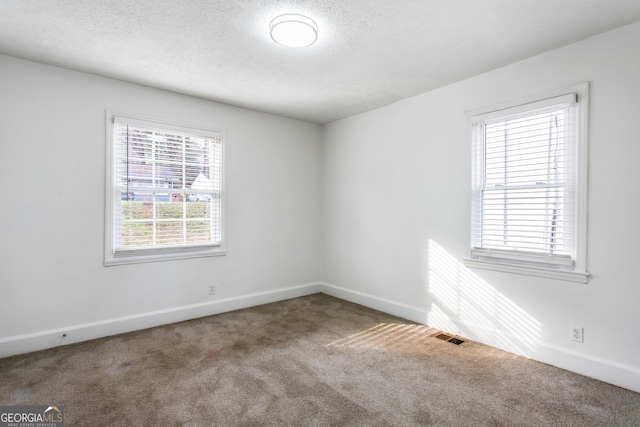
{"x":312,"y":361}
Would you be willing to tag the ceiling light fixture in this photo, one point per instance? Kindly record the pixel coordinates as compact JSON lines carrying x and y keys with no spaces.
{"x":293,"y":30}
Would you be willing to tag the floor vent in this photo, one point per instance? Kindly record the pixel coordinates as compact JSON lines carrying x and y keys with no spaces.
{"x":449,"y":338}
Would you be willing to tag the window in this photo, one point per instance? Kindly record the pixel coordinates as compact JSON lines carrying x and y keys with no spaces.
{"x":164,"y":191}
{"x":529,"y":186}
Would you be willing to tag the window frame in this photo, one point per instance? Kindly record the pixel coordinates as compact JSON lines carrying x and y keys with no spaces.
{"x":577,"y":272}
{"x":134,"y":256}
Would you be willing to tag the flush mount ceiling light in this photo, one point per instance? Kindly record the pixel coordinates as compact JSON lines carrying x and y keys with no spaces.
{"x":293,"y":30}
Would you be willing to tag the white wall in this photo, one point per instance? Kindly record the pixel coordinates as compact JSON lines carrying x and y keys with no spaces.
{"x":382,"y":205}
{"x":397,"y":199}
{"x":52,"y":145}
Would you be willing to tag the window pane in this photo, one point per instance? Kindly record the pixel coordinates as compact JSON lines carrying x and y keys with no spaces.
{"x":528,"y":219}
{"x":166,"y":182}
{"x":200,"y":209}
{"x":198,"y":231}
{"x":166,"y":210}
{"x":526,"y":151}
{"x":137,"y":209}
{"x":169,"y":232}
{"x":137,"y":233}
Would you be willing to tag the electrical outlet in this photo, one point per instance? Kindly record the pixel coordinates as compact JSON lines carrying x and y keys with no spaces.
{"x":577,"y":334}
{"x":212,"y":289}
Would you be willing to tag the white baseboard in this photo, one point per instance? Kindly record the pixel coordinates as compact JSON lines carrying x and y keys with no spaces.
{"x":608,"y":371}
{"x":27,"y":343}
{"x":381,"y":304}
{"x":612,"y":372}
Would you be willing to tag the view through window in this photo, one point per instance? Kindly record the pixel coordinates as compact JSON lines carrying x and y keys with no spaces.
{"x":166,"y":188}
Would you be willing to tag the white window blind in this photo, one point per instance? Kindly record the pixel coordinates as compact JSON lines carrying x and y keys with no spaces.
{"x":525,"y":184}
{"x":166,"y":189}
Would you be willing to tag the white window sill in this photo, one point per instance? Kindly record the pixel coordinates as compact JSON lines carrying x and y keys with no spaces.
{"x":569,"y":276}
{"x":167,"y":256}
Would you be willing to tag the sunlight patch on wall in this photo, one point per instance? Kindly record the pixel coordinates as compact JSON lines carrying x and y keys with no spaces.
{"x":467,"y":305}
{"x":438,"y":318}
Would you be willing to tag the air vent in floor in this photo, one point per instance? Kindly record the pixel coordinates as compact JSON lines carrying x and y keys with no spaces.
{"x":449,"y":338}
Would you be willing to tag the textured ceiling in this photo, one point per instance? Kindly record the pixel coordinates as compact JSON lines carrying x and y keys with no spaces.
{"x":369,"y":52}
